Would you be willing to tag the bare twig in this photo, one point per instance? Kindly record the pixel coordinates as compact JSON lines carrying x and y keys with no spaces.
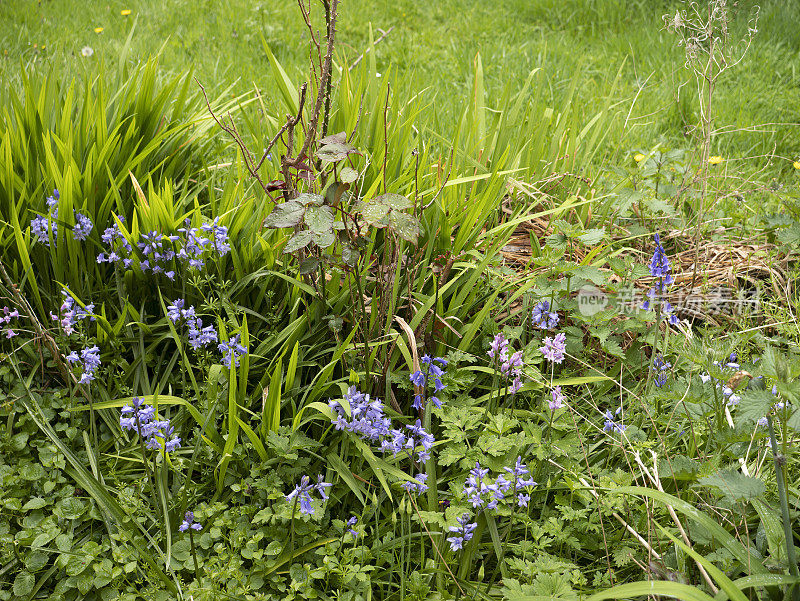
{"x":375,"y":43}
{"x":246,"y":154}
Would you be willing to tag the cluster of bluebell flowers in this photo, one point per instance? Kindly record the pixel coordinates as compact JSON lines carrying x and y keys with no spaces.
{"x":462,"y":533}
{"x":159,"y":251}
{"x":302,"y":492}
{"x":554,"y":348}
{"x":139,"y":417}
{"x":71,"y":313}
{"x":422,"y":379}
{"x":46,"y":227}
{"x":231,"y":351}
{"x":89,"y":360}
{"x":659,"y":268}
{"x":5,"y":319}
{"x":368,"y":421}
{"x":512,"y":486}
{"x":542,"y":317}
{"x":661,"y":369}
{"x":510,"y":365}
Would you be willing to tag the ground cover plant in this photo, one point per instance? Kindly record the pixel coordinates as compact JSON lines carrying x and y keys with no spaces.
{"x":334,"y":340}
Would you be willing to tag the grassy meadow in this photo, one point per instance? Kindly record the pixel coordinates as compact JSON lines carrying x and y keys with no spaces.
{"x":504,"y":308}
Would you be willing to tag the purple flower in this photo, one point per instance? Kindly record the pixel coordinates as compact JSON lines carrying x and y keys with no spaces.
{"x":497,"y":347}
{"x":303,"y":492}
{"x":174,"y":310}
{"x":231,"y":350}
{"x":542,"y":317}
{"x":610,"y":425}
{"x":350,"y":523}
{"x":422,"y":378}
{"x":83,"y":227}
{"x":461,"y":533}
{"x":554,"y":348}
{"x":558,"y":399}
{"x":417,"y":486}
{"x":661,"y":368}
{"x":188,"y":522}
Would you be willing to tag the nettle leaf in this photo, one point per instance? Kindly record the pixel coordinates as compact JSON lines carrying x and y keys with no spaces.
{"x":734,"y":485}
{"x":319,"y":219}
{"x":286,"y":214}
{"x":754,"y":405}
{"x":298,"y":241}
{"x":406,"y":226}
{"x":323,"y":239}
{"x":592,"y":236}
{"x":374,"y":212}
{"x":394,"y":201}
{"x":348,"y":175}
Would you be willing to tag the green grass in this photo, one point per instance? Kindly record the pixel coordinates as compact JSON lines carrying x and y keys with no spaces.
{"x":433,"y":47}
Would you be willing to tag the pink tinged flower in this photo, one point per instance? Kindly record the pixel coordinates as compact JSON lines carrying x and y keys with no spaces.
{"x":554,"y":348}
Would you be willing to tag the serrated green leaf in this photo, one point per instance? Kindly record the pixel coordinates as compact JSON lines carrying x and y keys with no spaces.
{"x":592,"y":236}
{"x":734,"y":485}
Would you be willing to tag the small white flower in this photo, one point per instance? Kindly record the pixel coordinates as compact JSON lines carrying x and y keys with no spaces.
{"x":87,"y":51}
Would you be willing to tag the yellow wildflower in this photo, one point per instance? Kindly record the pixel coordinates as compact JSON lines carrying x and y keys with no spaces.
{"x":98,"y":30}
{"x":638,"y":158}
{"x":796,"y":164}
{"x":715,"y":160}
{"x":125,"y":12}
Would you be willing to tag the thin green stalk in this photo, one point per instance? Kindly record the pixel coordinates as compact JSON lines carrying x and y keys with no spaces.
{"x":786,"y":519}
{"x":194,"y":557}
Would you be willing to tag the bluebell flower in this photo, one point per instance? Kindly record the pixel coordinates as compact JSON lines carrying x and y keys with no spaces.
{"x":497,"y":347}
{"x":174,"y":310}
{"x":119,"y":250}
{"x":659,"y":268}
{"x":71,"y":312}
{"x":231,"y":350}
{"x":554,"y":348}
{"x":462,"y":533}
{"x":418,"y":485}
{"x":8,"y":315}
{"x":422,"y":378}
{"x":83,"y":227}
{"x":542,"y":317}
{"x":303,"y":492}
{"x":188,"y":522}
{"x":557,"y":397}
{"x":610,"y":424}
{"x":350,"y":523}
{"x":661,"y":369}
